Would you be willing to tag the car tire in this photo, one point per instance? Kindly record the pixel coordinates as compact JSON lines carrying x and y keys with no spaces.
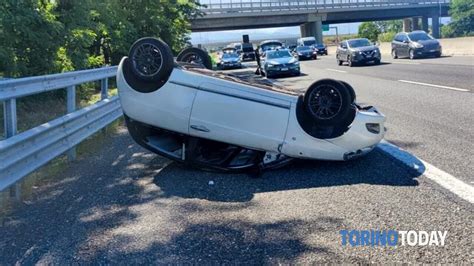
{"x":412,"y":54}
{"x":326,"y":53}
{"x":438,"y":55}
{"x":394,"y":54}
{"x":328,"y":102}
{"x":377,"y":62}
{"x":151,"y":60}
{"x":195,"y":55}
{"x":339,"y":62}
{"x":351,"y":90}
{"x":349,"y":61}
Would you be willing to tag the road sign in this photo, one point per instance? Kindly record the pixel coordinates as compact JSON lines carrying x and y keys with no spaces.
{"x":325,"y":27}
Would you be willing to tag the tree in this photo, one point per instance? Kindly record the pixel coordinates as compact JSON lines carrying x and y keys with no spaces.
{"x":462,"y":14}
{"x":369,"y":30}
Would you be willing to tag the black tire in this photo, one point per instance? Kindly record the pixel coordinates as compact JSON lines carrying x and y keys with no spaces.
{"x":351,"y":90}
{"x":394,"y":54}
{"x":151,"y":59}
{"x":377,"y":62}
{"x":349,"y":61}
{"x":195,"y":55}
{"x":328,"y":102}
{"x":339,"y":62}
{"x":438,"y":55}
{"x":326,"y":53}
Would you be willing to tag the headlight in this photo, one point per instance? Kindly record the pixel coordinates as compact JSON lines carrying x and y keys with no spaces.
{"x":270,"y":65}
{"x":300,"y":54}
{"x":417,"y":45}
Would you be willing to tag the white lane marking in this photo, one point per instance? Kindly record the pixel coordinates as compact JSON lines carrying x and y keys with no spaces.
{"x":404,"y":63}
{"x":335,"y":70}
{"x":430,"y":171}
{"x":433,"y":85}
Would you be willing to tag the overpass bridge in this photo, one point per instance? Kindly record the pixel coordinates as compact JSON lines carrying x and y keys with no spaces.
{"x":310,"y":15}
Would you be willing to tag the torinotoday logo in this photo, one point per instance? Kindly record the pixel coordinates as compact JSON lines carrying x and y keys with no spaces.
{"x":392,"y":238}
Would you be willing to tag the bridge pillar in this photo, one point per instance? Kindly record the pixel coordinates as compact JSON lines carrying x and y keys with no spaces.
{"x":424,"y":24}
{"x":435,"y":26}
{"x":313,"y":29}
{"x":415,"y":23}
{"x":406,"y":25}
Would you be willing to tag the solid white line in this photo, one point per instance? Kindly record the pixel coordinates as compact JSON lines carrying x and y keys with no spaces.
{"x":444,"y":179}
{"x":404,"y":63}
{"x":335,"y":70}
{"x":432,"y":85}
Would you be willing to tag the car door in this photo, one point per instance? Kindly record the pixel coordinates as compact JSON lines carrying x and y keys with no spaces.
{"x":343,"y":54}
{"x":224,"y":111}
{"x":396,"y":43}
{"x":404,"y":45}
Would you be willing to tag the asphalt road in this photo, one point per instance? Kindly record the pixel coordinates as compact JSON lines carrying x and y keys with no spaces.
{"x":122,"y":204}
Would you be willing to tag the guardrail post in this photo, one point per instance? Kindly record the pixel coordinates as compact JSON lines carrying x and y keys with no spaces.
{"x":71,"y":107}
{"x":10,"y":125}
{"x":9,"y":118}
{"x":104,"y":86}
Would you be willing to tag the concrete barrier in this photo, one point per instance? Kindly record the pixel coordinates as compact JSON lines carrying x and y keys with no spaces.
{"x":453,"y":47}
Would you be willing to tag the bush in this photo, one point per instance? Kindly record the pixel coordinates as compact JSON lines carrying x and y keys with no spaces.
{"x":387,"y":36}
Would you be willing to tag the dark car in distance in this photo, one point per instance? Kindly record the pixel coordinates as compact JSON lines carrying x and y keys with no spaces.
{"x":321,"y":49}
{"x":305,"y":53}
{"x":358,"y":51}
{"x":414,"y":45}
{"x":248,"y":53}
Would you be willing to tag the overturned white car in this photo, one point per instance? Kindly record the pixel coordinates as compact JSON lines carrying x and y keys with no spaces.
{"x":209,"y":119}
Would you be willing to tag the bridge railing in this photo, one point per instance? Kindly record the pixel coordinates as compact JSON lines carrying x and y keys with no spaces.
{"x":21,"y":154}
{"x":235,"y":7}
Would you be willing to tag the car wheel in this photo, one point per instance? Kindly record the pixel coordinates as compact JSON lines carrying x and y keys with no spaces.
{"x":394,"y":54}
{"x":351,"y":90}
{"x":377,"y":62}
{"x":339,"y":62}
{"x":195,"y":55}
{"x":328,"y":102}
{"x":412,"y":54}
{"x":151,"y":59}
{"x":438,"y":55}
{"x":349,"y":61}
{"x":326,"y":53}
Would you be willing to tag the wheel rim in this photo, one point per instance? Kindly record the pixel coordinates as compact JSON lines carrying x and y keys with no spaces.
{"x":325,"y":102}
{"x":147,"y":59}
{"x":193,"y":58}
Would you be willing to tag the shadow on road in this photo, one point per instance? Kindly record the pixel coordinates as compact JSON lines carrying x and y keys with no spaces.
{"x":376,"y":169}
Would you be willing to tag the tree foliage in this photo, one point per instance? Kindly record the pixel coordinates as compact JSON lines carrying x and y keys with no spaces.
{"x":462,"y":14}
{"x":46,"y":36}
{"x":372,"y":30}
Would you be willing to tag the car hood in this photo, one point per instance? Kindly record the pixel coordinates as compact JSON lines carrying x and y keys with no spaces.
{"x":365,"y":48}
{"x":283,"y":60}
{"x":428,"y":42}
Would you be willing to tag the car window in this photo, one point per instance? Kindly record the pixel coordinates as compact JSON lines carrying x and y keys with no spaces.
{"x":398,"y":38}
{"x":359,"y":43}
{"x":303,"y":48}
{"x":278,"y":54}
{"x":419,"y":36}
{"x":230,"y":55}
{"x":343,"y":45}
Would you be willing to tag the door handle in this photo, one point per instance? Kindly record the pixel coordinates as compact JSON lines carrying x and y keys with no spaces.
{"x":200,"y":128}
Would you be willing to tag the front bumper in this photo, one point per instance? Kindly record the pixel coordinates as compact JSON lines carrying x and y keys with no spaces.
{"x":229,"y":65}
{"x":283,"y":70}
{"x":366,"y":59}
{"x":421,"y":52}
{"x":248,"y":56}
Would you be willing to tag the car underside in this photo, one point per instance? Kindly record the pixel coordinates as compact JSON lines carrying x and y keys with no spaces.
{"x":218,"y":121}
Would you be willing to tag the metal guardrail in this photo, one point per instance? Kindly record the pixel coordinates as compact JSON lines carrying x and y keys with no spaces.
{"x":21,"y":154}
{"x":239,"y":7}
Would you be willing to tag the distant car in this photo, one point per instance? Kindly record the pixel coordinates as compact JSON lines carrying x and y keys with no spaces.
{"x":279,"y":62}
{"x":207,"y":119}
{"x":321,"y":49}
{"x":248,"y":53}
{"x":237,"y":46}
{"x":292,"y":48}
{"x":414,"y":45}
{"x":306,"y":52}
{"x":358,"y":51}
{"x":229,"y":60}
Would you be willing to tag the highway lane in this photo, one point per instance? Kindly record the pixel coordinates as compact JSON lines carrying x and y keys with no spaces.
{"x":457,"y":72}
{"x":433,"y":123}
